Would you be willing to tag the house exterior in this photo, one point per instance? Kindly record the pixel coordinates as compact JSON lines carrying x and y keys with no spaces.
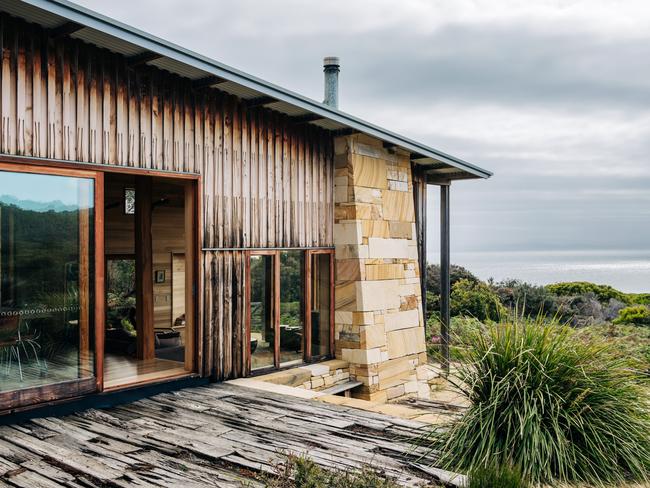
{"x":165,"y":216}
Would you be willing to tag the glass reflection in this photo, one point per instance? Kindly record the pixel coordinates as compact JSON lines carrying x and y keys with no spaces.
{"x":46,"y":276}
{"x":262,"y":331}
{"x":291,"y":306}
{"x":320,"y":305}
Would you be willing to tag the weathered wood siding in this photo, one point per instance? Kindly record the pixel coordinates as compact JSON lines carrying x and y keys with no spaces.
{"x":266,"y":181}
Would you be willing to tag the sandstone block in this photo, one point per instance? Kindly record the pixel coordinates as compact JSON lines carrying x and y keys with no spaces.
{"x":398,"y":185}
{"x":368,"y":171}
{"x":364,"y":194}
{"x":401,"y":230}
{"x":384,"y":271}
{"x":372,"y":336}
{"x":405,"y":342}
{"x":377,"y":295}
{"x":363,"y":318}
{"x":349,"y":251}
{"x":398,"y":205}
{"x":362,"y":356}
{"x":379,"y":248}
{"x":402,"y":320}
{"x":375,"y":228}
{"x":349,"y":270}
{"x":347,"y":233}
{"x":345,"y":295}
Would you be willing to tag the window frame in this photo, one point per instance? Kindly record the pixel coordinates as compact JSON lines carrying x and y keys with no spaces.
{"x":308,"y":253}
{"x":27,"y":397}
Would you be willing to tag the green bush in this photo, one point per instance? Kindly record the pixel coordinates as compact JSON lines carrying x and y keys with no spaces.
{"x":559,"y":408}
{"x":475,"y":299}
{"x":302,"y":472}
{"x":527,"y":298}
{"x":456,"y":273}
{"x":602,"y":292}
{"x":636,"y":315}
{"x":496,"y":477}
{"x":639,"y":298}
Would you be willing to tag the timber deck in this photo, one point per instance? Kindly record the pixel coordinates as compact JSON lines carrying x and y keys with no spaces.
{"x":216,"y":435}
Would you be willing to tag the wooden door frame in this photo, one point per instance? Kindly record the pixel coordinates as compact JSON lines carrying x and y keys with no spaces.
{"x":71,"y":388}
{"x":193,"y":278}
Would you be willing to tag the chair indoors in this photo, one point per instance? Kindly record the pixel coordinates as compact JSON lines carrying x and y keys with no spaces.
{"x":12,"y":340}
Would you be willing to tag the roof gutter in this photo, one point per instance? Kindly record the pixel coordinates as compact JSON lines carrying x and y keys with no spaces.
{"x":109,"y":26}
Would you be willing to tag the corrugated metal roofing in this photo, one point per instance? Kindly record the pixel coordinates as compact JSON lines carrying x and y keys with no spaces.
{"x":115,"y":36}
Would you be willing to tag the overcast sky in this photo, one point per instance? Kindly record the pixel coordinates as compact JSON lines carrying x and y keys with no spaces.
{"x":552,"y":96}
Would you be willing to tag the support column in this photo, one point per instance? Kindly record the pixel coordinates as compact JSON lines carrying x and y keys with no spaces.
{"x":144,"y":269}
{"x":420,"y":198}
{"x":445,"y":269}
{"x":379,"y":321}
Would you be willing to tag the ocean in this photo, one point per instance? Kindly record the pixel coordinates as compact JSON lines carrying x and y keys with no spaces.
{"x":628,"y":271}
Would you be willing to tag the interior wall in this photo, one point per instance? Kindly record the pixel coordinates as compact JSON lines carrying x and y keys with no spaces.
{"x":168,"y":231}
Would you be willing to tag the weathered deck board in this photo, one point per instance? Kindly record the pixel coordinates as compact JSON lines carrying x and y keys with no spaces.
{"x":215,"y":435}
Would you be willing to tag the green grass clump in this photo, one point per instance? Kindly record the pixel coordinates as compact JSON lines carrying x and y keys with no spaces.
{"x":559,"y":408}
{"x":496,"y":477}
{"x":302,"y":472}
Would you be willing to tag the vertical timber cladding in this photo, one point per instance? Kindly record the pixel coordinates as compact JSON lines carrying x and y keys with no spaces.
{"x":266,"y":182}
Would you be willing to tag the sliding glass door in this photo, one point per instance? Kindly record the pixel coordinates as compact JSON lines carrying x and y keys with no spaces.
{"x":47,"y":284}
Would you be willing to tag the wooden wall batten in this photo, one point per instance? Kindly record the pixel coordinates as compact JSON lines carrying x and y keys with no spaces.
{"x":265,"y":181}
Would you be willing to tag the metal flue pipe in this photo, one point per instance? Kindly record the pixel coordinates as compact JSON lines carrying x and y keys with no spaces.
{"x":331,"y":68}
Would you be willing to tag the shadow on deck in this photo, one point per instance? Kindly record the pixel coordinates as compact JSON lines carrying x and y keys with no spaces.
{"x":216,"y":435}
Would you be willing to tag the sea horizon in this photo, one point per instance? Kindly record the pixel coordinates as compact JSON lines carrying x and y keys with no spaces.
{"x":625,"y":270}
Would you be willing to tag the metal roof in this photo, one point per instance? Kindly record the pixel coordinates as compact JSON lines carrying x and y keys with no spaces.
{"x":115,"y":36}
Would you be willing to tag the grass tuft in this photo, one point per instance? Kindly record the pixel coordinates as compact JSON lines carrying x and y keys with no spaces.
{"x":497,"y":477}
{"x":558,"y":408}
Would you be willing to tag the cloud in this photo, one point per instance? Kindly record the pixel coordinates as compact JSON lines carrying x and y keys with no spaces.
{"x":552,"y":95}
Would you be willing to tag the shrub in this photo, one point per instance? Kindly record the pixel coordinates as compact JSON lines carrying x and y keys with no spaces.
{"x":559,"y":408}
{"x":581,"y":310}
{"x":527,"y":298}
{"x":636,"y":315}
{"x":456,"y":274}
{"x":475,"y":299}
{"x":639,"y":298}
{"x":302,"y":472}
{"x":496,"y":477}
{"x":602,"y":292}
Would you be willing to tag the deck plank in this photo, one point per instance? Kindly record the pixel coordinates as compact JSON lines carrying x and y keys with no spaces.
{"x":215,"y":435}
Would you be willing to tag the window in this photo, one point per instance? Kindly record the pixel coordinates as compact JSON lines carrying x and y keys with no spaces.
{"x":46,"y":279}
{"x":290,"y":307}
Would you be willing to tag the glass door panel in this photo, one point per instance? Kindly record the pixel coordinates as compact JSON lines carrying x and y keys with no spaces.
{"x":262,"y":321}
{"x":320,"y":306}
{"x":292,"y":293}
{"x":46,"y":280}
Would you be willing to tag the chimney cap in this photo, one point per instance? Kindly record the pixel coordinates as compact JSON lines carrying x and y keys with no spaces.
{"x":331,"y":61}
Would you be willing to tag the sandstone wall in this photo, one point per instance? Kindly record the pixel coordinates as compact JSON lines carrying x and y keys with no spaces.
{"x":379,"y":322}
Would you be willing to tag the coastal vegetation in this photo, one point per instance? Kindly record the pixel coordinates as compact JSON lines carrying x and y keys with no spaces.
{"x":596,"y":312}
{"x":557,"y":379}
{"x":551,"y":405}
